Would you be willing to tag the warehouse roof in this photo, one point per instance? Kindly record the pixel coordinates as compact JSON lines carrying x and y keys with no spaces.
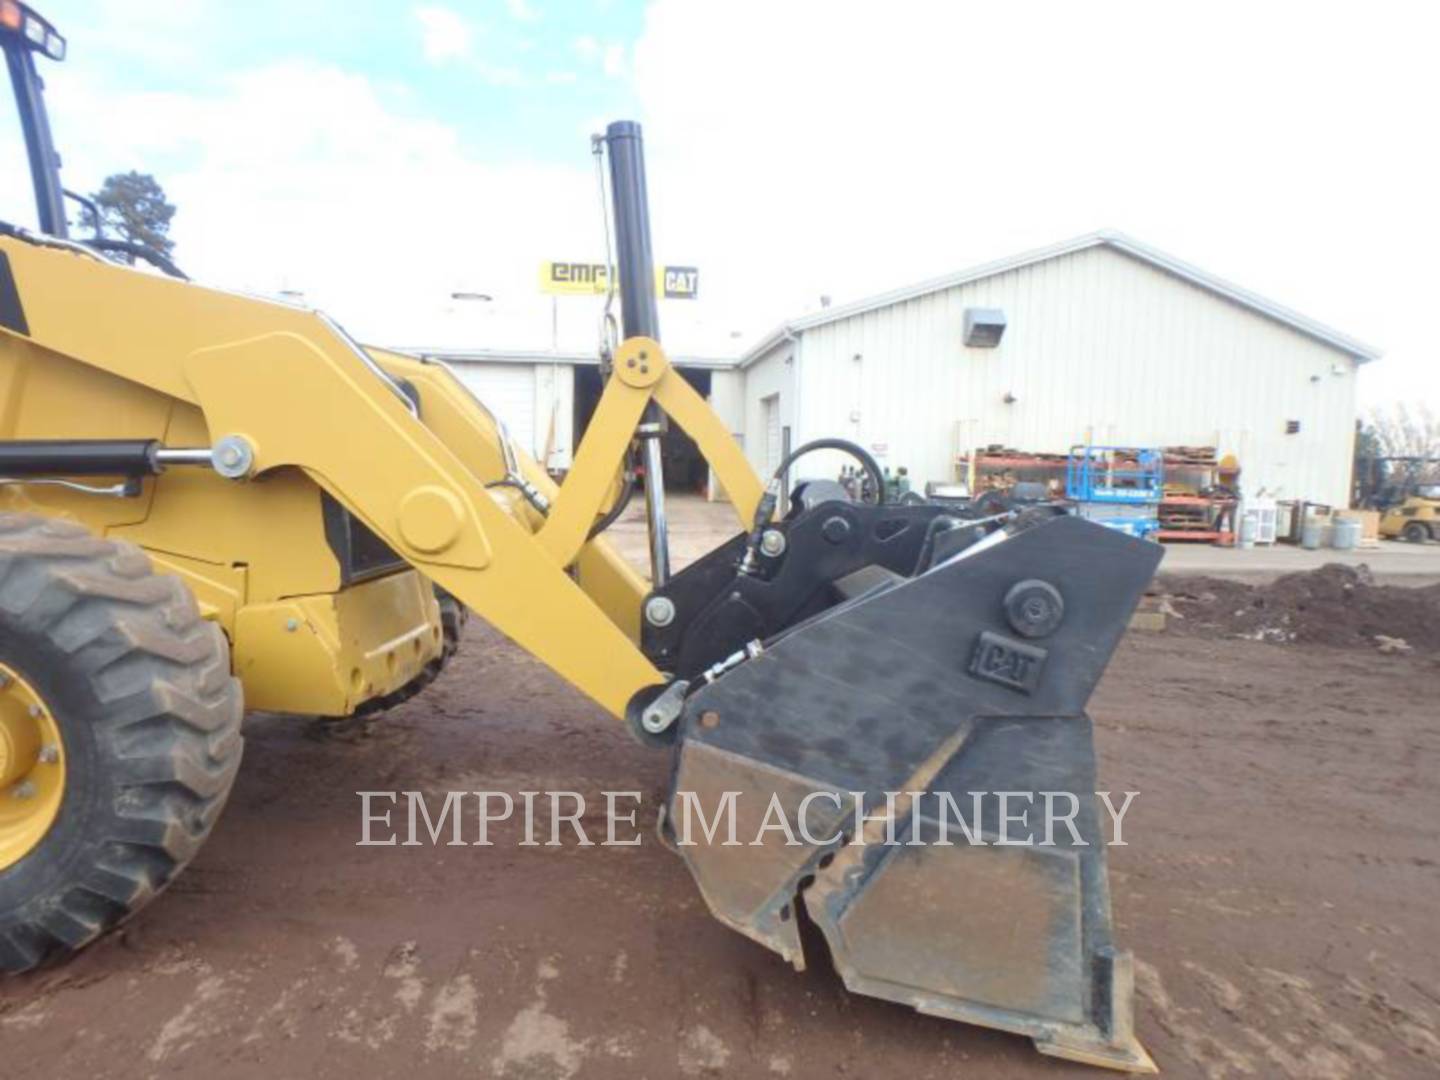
{"x":543,"y":356}
{"x":1115,"y":240}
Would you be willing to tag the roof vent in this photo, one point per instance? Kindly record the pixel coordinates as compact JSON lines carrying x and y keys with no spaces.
{"x":984,"y":327}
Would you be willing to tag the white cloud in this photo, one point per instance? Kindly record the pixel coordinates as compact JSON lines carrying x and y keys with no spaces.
{"x":851,"y":147}
{"x":306,"y":177}
{"x":444,"y":34}
{"x":522,"y":11}
{"x":610,"y":56}
{"x":614,"y":64}
{"x":500,"y":74}
{"x":845,"y":149}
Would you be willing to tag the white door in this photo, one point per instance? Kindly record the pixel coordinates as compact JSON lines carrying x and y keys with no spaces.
{"x":770,"y":424}
{"x":508,"y":391}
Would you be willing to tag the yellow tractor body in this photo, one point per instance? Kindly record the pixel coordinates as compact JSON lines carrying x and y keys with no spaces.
{"x":280,"y":566}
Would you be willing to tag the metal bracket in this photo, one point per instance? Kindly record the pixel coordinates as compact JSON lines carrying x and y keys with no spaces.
{"x":660,"y":715}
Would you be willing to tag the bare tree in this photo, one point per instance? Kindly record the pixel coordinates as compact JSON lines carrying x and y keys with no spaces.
{"x":1403,"y":431}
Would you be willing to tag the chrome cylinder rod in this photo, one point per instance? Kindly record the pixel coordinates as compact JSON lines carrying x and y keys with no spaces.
{"x":655,"y":512}
{"x":640,"y":316}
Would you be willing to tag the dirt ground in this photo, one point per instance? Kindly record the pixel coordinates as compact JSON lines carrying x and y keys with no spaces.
{"x":1278,"y":890}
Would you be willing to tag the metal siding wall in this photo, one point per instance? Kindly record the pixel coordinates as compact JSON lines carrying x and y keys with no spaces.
{"x":508,"y":391}
{"x":555,"y":398}
{"x":525,"y":396}
{"x":727,"y":399}
{"x":771,"y":374}
{"x":1100,"y":347}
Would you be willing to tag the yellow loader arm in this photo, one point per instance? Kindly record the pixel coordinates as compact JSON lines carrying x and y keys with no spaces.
{"x":294,"y":389}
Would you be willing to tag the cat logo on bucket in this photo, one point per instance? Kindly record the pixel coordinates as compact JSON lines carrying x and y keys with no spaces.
{"x":593,"y":279}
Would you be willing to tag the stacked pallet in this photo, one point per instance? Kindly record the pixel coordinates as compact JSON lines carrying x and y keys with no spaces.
{"x":1194,"y":504}
{"x":1199,"y":456}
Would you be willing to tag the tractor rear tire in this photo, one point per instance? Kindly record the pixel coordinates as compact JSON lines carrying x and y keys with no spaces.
{"x":1416,"y":532}
{"x":138,"y":688}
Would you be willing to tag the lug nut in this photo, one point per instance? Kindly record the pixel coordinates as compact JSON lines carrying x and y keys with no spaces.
{"x":36,"y":712}
{"x":49,"y":754}
{"x":25,"y":790}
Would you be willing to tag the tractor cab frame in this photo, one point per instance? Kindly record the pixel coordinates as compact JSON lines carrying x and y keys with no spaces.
{"x":23,"y":34}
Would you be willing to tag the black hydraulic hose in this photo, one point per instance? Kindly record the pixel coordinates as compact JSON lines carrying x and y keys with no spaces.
{"x":771,"y":496}
{"x":613,"y":514}
{"x":859,"y":453}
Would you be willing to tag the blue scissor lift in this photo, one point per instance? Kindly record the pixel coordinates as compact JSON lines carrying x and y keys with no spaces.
{"x":1117,"y":486}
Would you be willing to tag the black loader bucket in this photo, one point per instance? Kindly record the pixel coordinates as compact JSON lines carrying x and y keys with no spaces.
{"x":967,"y":681}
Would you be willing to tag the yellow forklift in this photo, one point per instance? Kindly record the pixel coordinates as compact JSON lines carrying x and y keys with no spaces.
{"x":1416,"y":519}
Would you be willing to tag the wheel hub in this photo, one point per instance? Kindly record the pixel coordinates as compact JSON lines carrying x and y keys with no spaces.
{"x":32,"y":767}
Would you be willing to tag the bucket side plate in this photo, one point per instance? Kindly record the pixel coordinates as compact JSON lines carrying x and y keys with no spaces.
{"x":931,"y":691}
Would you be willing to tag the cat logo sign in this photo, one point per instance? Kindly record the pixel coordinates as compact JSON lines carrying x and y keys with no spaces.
{"x":677,"y":282}
{"x":593,"y":279}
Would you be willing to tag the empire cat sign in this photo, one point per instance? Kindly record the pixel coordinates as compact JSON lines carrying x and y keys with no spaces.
{"x":593,"y":279}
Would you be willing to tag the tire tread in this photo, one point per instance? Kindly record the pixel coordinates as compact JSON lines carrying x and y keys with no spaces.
{"x":170,"y":706}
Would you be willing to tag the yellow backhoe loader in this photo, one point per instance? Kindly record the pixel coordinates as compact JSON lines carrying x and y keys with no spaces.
{"x":216,"y":502}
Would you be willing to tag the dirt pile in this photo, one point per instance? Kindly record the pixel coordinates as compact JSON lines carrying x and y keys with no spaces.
{"x":1335,"y":605}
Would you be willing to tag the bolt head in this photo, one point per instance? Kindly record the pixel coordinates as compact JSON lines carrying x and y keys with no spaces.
{"x":709,"y":718}
{"x":772,"y":543}
{"x":232,"y":457}
{"x":36,"y":712}
{"x":292,"y":625}
{"x":659,"y":611}
{"x":49,"y":754}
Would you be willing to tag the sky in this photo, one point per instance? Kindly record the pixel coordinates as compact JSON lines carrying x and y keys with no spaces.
{"x":376,"y":159}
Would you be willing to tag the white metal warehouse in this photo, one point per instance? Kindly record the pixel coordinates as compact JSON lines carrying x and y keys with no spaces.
{"x":1105,"y":340}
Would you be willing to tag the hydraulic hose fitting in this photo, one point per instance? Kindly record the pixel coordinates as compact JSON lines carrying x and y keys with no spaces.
{"x":750,"y":564}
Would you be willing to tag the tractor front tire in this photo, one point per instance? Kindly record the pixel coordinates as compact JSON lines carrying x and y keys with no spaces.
{"x":117,"y":695}
{"x":1416,"y":532}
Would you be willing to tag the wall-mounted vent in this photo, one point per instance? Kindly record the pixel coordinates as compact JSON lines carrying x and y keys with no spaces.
{"x":984,"y":327}
{"x":1292,"y":427}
